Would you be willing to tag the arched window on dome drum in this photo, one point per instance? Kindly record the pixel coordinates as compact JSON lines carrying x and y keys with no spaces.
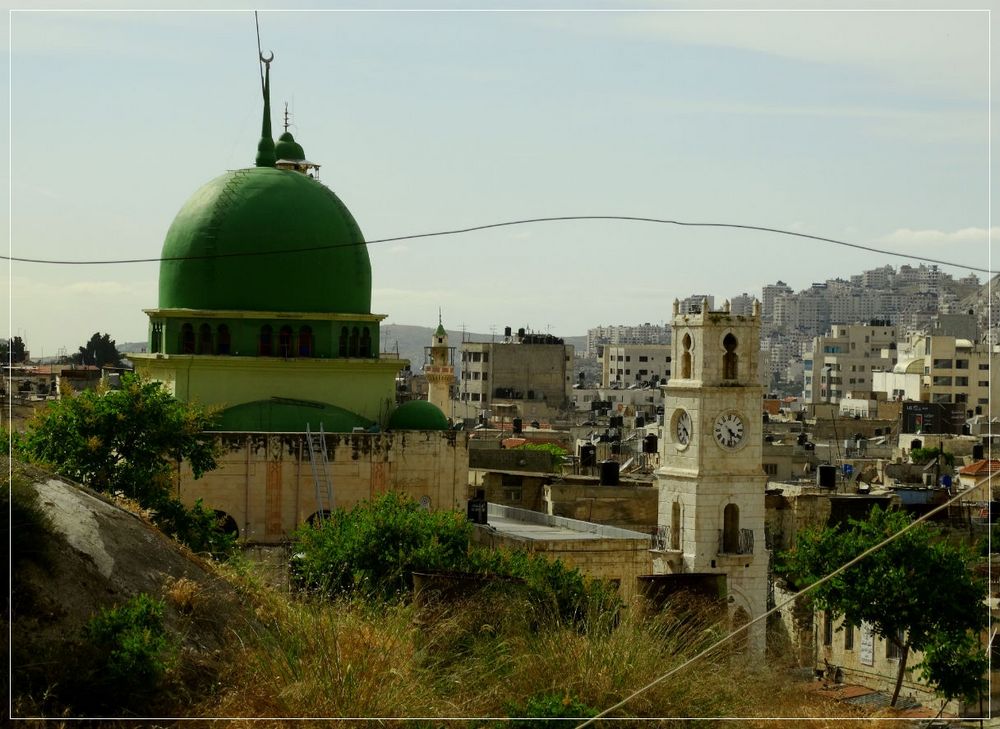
{"x":366,"y":343}
{"x":730,"y":360}
{"x":306,"y":342}
{"x":223,"y":341}
{"x":265,"y":346}
{"x":187,"y":339}
{"x":156,"y":340}
{"x":343,"y":342}
{"x":204,"y":339}
{"x":355,"y":342}
{"x":285,"y":342}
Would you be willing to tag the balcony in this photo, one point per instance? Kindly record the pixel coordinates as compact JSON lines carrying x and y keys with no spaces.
{"x":739,"y":543}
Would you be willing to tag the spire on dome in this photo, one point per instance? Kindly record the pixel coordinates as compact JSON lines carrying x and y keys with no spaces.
{"x":265,"y":147}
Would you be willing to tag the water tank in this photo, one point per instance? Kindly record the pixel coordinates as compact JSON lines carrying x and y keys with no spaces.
{"x":801,"y":440}
{"x":506,"y":332}
{"x":516,"y":425}
{"x":977,"y":452}
{"x":588,"y":455}
{"x":767,"y":418}
{"x":609,"y":473}
{"x":649,"y":443}
{"x":616,"y":449}
{"x":477,"y":508}
{"x":809,"y":445}
{"x":535,"y":425}
{"x":826,"y":476}
{"x":640,"y":421}
{"x":520,"y":333}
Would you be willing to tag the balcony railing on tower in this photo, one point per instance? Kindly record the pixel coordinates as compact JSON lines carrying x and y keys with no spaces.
{"x":739,"y":542}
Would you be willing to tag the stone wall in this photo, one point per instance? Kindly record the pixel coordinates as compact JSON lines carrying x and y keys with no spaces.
{"x":265,"y":480}
{"x":628,"y":507}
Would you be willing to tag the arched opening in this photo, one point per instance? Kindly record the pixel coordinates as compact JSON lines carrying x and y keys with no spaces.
{"x":366,"y":343}
{"x":355,"y":346}
{"x":740,"y":619}
{"x":204,"y":339}
{"x":731,"y":529}
{"x":687,"y":343}
{"x":318,"y":518}
{"x":342,"y":349}
{"x":223,"y":340}
{"x":285,"y":342}
{"x":675,"y":525}
{"x":265,"y":346}
{"x":306,"y":342}
{"x":730,"y":360}
{"x":156,"y":340}
{"x":226,"y":524}
{"x":187,"y":339}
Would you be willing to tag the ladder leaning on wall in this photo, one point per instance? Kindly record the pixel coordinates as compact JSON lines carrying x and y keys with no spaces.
{"x":316,"y":442}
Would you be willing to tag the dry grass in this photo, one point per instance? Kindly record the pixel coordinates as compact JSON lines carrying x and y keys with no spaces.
{"x":183,"y":593}
{"x":485,"y":657}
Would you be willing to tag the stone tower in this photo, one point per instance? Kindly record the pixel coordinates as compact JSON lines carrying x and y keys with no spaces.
{"x":439,"y":369}
{"x":711,"y":483}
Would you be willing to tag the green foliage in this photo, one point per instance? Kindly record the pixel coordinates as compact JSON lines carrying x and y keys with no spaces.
{"x":918,"y":585}
{"x":129,"y":441}
{"x":555,"y":452}
{"x":926,"y":455}
{"x":28,"y":521}
{"x":130,"y":643}
{"x":100,"y":351}
{"x":377,"y":546}
{"x":548,"y":706}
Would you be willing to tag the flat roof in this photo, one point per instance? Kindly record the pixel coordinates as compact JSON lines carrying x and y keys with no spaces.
{"x":536,"y":526}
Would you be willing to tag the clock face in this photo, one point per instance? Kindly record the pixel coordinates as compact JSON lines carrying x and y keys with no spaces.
{"x":730,"y":430}
{"x":682,"y":427}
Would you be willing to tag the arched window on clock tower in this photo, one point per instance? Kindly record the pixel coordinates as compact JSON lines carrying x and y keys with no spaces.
{"x":686,"y":357}
{"x":730,"y":360}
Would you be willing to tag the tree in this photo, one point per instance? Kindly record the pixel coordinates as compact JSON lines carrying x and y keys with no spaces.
{"x":99,"y":351}
{"x":130,"y":441}
{"x":14,"y":350}
{"x":916,"y":592}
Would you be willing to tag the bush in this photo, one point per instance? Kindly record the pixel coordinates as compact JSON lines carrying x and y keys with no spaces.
{"x":549,"y":706}
{"x":196,"y":527}
{"x":926,"y":455}
{"x":130,"y":643}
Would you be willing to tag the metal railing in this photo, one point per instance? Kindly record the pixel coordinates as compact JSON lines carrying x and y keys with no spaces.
{"x":743,"y":542}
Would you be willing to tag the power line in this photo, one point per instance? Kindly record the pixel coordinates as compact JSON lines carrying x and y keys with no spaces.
{"x":779,"y":606}
{"x":524,"y":221}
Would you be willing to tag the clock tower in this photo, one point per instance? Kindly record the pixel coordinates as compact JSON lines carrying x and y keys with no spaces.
{"x":710,"y":480}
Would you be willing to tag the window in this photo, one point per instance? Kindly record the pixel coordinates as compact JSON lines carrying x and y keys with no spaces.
{"x":961,"y":397}
{"x":848,"y":637}
{"x":961,"y":364}
{"x":285,"y":342}
{"x":486,"y":356}
{"x":475,"y":375}
{"x":265,"y":344}
{"x":730,"y":359}
{"x":204,"y":339}
{"x":365,"y":349}
{"x":771,"y":469}
{"x":342,"y":348}
{"x":686,"y":357}
{"x":223,"y":342}
{"x":643,"y":358}
{"x":984,"y":383}
{"x":961,"y":381}
{"x":156,"y":339}
{"x":941,"y":381}
{"x":984,"y":366}
{"x":306,"y":342}
{"x":731,"y":529}
{"x":187,"y":339}
{"x":354,"y":345}
{"x":892,"y":651}
{"x":484,"y":376}
{"x":827,"y":629}
{"x":942,"y":364}
{"x":675,"y":525}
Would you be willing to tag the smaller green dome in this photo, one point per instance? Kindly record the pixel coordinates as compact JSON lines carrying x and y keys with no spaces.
{"x":288,"y":148}
{"x":418,"y":415}
{"x":288,"y":416}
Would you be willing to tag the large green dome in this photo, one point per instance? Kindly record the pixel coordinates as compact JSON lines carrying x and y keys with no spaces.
{"x":265,"y":210}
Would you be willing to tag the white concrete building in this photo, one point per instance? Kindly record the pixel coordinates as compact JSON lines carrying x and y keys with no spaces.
{"x":843,"y":361}
{"x":632,"y":364}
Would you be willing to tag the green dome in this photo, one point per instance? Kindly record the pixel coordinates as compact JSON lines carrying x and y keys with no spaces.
{"x":259,"y":210}
{"x":288,"y":148}
{"x":418,"y":415}
{"x":285,"y":416}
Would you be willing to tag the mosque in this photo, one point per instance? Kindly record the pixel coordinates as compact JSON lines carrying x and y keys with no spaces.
{"x":264,"y":313}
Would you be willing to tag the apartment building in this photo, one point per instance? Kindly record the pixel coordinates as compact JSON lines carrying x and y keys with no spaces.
{"x":631,"y":364}
{"x":619,"y":334}
{"x":843,"y":361}
{"x":533,"y":372}
{"x":942,"y":369}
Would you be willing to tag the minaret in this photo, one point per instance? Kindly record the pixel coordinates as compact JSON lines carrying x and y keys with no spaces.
{"x":439,"y":369}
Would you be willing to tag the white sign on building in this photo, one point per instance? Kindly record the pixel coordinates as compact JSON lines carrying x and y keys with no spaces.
{"x":867,"y":652}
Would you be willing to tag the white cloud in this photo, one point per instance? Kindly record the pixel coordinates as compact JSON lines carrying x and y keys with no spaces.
{"x":933,"y":237}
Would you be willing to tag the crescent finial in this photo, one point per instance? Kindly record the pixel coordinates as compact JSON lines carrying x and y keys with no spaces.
{"x":268,"y":59}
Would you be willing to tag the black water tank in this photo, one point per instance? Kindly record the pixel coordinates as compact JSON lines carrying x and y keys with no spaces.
{"x":767,"y":418}
{"x":809,"y":445}
{"x":649,"y":443}
{"x":535,"y":425}
{"x":506,"y":331}
{"x":516,"y":425}
{"x":588,"y":455}
{"x":640,"y":421}
{"x":977,"y":452}
{"x":520,"y":333}
{"x":826,"y":476}
{"x":801,"y":440}
{"x":477,"y":508}
{"x":609,"y":473}
{"x":616,"y":449}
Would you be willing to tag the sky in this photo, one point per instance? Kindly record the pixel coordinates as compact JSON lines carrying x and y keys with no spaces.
{"x":871,"y":127}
